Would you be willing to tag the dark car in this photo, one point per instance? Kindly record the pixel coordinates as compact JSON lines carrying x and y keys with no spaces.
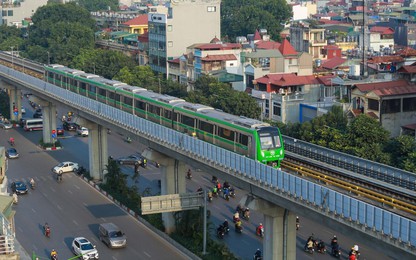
{"x":12,"y":153}
{"x":69,"y":126}
{"x":38,"y":113}
{"x":60,"y":131}
{"x":133,"y":160}
{"x":19,"y":187}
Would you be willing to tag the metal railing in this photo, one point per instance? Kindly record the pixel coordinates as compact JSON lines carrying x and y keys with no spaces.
{"x":304,"y":192}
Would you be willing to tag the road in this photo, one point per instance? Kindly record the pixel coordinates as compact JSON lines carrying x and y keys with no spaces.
{"x":72,"y":208}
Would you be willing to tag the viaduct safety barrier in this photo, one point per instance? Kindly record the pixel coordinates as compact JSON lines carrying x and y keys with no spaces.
{"x":372,"y":218}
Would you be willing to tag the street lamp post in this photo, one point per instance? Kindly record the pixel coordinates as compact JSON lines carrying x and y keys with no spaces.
{"x":12,"y":47}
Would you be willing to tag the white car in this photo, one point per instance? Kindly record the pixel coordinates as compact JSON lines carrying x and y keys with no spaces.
{"x":66,"y":167}
{"x":5,"y":124}
{"x":83,"y":248}
{"x":23,"y":110}
{"x":82,"y":131}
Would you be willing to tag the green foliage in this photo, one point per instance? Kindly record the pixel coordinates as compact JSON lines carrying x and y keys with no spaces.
{"x":401,"y":149}
{"x":99,"y":5}
{"x":10,"y":37}
{"x":256,"y":14}
{"x":209,"y":91}
{"x":4,"y":104}
{"x":106,"y":63}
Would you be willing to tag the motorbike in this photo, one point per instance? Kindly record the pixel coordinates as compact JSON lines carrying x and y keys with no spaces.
{"x":128,"y":139}
{"x":209,"y":197}
{"x":232,"y":192}
{"x":11,"y":141}
{"x":214,"y":179}
{"x":15,"y":199}
{"x":47,"y":231}
{"x":336,"y":252}
{"x":320,"y":247}
{"x":157,"y":164}
{"x":246,"y":214}
{"x":189,"y":175}
{"x":226,"y":194}
{"x":54,"y":257}
{"x":32,"y":185}
{"x":238,"y":229}
{"x":260,"y":231}
{"x":59,"y":177}
{"x":220,"y":232}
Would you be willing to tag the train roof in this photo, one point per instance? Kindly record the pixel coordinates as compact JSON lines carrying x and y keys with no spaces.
{"x":161,"y":97}
{"x":133,"y":89}
{"x":208,"y":111}
{"x":110,"y":82}
{"x":89,"y":76}
{"x":65,"y":69}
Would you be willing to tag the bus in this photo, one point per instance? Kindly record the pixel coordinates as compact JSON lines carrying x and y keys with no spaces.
{"x":33,"y":124}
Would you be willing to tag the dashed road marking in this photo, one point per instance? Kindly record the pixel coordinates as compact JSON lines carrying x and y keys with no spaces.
{"x":59,"y":207}
{"x":76,"y":186}
{"x":34,"y":211}
{"x":76,"y":223}
{"x":148,"y":255}
{"x":69,"y":191}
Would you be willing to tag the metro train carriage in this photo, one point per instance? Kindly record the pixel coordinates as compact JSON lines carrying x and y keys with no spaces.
{"x":246,"y":136}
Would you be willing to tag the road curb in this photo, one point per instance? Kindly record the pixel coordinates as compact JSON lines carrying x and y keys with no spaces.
{"x":134,"y":214}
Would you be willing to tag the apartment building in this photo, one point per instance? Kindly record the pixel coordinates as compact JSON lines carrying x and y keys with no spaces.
{"x":304,"y":38}
{"x":14,"y":12}
{"x":177,"y":25}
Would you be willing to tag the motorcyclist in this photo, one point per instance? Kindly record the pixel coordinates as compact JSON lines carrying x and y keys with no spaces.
{"x":11,"y":140}
{"x":218,"y":185}
{"x":260,"y":230}
{"x":246,"y":213}
{"x":236,"y":217}
{"x":209,"y":195}
{"x":189,"y":174}
{"x":225,"y":225}
{"x":226,"y":185}
{"x":321,"y":246}
{"x":238,"y":225}
{"x":215,"y":191}
{"x":15,"y":199}
{"x":59,"y":176}
{"x":54,"y":254}
{"x":47,"y":229}
{"x":199,"y":190}
{"x":334,"y":244}
{"x":32,"y":182}
{"x":239,"y":208}
{"x":226,"y":193}
{"x":309,"y":245}
{"x":220,"y":231}
{"x":214,"y":179}
{"x":258,"y":255}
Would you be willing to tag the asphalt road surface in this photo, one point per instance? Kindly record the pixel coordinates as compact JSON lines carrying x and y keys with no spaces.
{"x":72,"y":208}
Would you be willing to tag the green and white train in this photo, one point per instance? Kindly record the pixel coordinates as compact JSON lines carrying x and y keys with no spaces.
{"x":246,"y":136}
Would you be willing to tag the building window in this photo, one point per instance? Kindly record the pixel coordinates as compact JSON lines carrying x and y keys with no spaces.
{"x":390,"y":106}
{"x":373,"y":104}
{"x":170,"y":28}
{"x":409,"y":104}
{"x":277,"y":109}
{"x":170,"y":43}
{"x":10,"y":13}
{"x":212,"y":9}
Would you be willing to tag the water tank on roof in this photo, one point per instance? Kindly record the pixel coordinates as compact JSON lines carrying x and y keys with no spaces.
{"x":318,"y":63}
{"x":240,"y":39}
{"x":354,"y":70}
{"x":263,"y":31}
{"x":331,"y":41}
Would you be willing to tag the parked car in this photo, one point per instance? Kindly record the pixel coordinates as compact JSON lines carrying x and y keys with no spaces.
{"x":69,"y":126}
{"x":60,"y":131}
{"x":23,"y":111}
{"x":82,"y":246}
{"x":82,"y":131}
{"x":133,"y":160}
{"x":5,"y":124}
{"x":65,"y":167}
{"x":19,"y":187}
{"x":12,"y":153}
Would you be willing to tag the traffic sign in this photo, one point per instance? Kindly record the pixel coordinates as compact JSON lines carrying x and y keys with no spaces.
{"x":53,"y":135}
{"x":15,"y":113}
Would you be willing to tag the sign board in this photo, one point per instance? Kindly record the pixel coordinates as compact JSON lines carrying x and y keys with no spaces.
{"x":15,"y":113}
{"x":172,"y":203}
{"x":53,"y":135}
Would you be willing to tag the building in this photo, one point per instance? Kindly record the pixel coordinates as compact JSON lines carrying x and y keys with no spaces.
{"x":138,"y":25}
{"x":392,"y":103}
{"x":179,"y":25}
{"x":14,"y":12}
{"x":306,"y":39}
{"x":379,"y":39}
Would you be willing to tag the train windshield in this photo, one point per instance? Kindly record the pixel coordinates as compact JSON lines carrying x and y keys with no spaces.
{"x":269,"y":140}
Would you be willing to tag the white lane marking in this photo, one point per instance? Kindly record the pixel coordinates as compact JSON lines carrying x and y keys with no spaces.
{"x":59,"y":207}
{"x":52,"y":189}
{"x":148,"y":255}
{"x":43,"y":178}
{"x":245,"y":242}
{"x":75,"y":222}
{"x":76,"y":186}
{"x":85,"y":204}
{"x":69,"y":191}
{"x":34,"y":211}
{"x":20,"y":229}
{"x":103,"y":219}
{"x":115,"y":258}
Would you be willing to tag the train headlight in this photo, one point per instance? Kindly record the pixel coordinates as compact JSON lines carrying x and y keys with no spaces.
{"x":262,"y":153}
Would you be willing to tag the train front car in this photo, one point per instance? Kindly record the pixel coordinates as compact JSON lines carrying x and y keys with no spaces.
{"x":270,"y":148}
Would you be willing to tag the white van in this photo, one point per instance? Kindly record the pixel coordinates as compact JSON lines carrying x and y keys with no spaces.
{"x":112,"y":236}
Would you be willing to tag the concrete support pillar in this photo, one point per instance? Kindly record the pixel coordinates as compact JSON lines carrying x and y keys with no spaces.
{"x":15,"y":96}
{"x":98,"y":150}
{"x":172,"y":181}
{"x":49,"y":121}
{"x":279,"y":242}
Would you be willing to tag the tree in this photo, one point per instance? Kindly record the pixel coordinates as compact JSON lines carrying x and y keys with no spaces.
{"x":99,"y":5}
{"x":400,"y":149}
{"x":239,"y":18}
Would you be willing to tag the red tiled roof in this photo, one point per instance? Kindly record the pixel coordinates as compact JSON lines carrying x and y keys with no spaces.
{"x":219,"y":57}
{"x":366,"y":87}
{"x":217,"y":46}
{"x":139,"y":20}
{"x":326,"y":80}
{"x":287,"y":79}
{"x":215,"y":40}
{"x":267,"y":45}
{"x":407,"y":51}
{"x":333,"y":63}
{"x":257,"y":36}
{"x":326,"y":21}
{"x":383,"y":59}
{"x":407,"y":69}
{"x":287,"y":49}
{"x":396,"y":91}
{"x":174,"y":61}
{"x":382,"y":30}
{"x":331,"y":47}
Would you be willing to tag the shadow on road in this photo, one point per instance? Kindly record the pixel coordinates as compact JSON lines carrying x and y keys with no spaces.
{"x":105,"y":210}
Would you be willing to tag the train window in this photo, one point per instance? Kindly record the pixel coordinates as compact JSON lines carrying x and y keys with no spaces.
{"x":243,"y":139}
{"x":206,"y":127}
{"x":189,"y":121}
{"x":226,"y":133}
{"x":101,"y":92}
{"x":93,"y":89}
{"x":128,"y":101}
{"x":117,"y":97}
{"x":140,"y":105}
{"x":167,"y":114}
{"x":175,"y":116}
{"x":111,"y":95}
{"x":83,"y":86}
{"x":154,"y":109}
{"x":269,"y":140}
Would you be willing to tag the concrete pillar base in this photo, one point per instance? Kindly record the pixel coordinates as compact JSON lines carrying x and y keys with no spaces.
{"x":279,"y":242}
{"x":98,"y":149}
{"x":173,"y":181}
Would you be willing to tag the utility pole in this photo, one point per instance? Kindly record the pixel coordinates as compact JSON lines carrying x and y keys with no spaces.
{"x":364,"y":56}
